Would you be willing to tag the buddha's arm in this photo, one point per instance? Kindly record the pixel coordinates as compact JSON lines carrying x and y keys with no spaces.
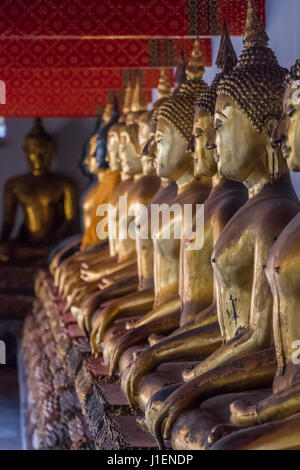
{"x":105,"y":268}
{"x":133,"y":304}
{"x":127,"y":271}
{"x":276,"y":406}
{"x":79,"y":292}
{"x":10,"y":205}
{"x":66,"y":247}
{"x":193,"y":344}
{"x":159,"y":313}
{"x":248,"y":373}
{"x":258,"y":335}
{"x":87,"y":311}
{"x":140,"y":335}
{"x":208,"y":316}
{"x":67,"y":266}
{"x":283,"y":434}
{"x":70,"y":201}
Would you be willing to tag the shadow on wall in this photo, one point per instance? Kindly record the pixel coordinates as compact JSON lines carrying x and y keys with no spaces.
{"x":70,"y":135}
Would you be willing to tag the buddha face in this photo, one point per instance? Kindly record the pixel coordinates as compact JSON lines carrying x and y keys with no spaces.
{"x":90,"y":159}
{"x":171,"y":157}
{"x":144,"y":127}
{"x":239,"y":144}
{"x":39,"y":154}
{"x":204,"y":136}
{"x":145,"y":144}
{"x":287,"y":134}
{"x":129,"y":151}
{"x":112,"y":155}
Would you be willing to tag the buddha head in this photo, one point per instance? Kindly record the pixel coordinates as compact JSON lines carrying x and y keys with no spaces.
{"x":147,"y":125}
{"x":203,"y":140}
{"x":248,"y":105}
{"x":39,"y":148}
{"x":138,"y":102}
{"x":112,"y":153}
{"x":97,"y":146}
{"x":180,"y":74}
{"x":149,"y":152}
{"x":143,"y":138}
{"x":129,"y":147}
{"x":127,"y":100}
{"x":175,"y":121}
{"x":287,"y":134}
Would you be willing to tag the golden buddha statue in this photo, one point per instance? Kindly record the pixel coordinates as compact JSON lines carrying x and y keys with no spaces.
{"x":142,"y":300}
{"x":48,"y":200}
{"x":274,"y":422}
{"x":142,"y":190}
{"x":244,"y":122}
{"x":180,"y":74}
{"x":107,"y":171}
{"x":174,"y":161}
{"x":197,"y":287}
{"x":65,"y":270}
{"x":97,"y":160}
{"x":90,"y":270}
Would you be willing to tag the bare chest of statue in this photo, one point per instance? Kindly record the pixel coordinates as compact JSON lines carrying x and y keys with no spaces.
{"x":40,"y":199}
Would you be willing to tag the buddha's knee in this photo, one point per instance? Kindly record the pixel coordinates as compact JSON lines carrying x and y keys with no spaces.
{"x":192,"y":429}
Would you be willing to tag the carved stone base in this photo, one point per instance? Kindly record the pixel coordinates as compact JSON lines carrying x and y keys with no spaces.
{"x":82,"y":410}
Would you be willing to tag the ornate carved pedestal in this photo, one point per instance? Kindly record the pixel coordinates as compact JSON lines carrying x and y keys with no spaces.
{"x":68,"y":407}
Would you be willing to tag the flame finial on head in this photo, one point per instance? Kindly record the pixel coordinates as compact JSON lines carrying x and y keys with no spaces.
{"x":226,"y":58}
{"x":180,"y":75}
{"x":195,"y":68}
{"x":226,"y":61}
{"x":38,"y":130}
{"x":128,"y":97}
{"x":138,"y":98}
{"x":254,"y":33}
{"x":256,"y":84}
{"x":164,"y":86}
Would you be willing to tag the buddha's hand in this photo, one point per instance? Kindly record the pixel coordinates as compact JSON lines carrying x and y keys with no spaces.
{"x":105,"y":282}
{"x":83,"y":319}
{"x":88,"y":274}
{"x":154,"y":339}
{"x":188,"y":374}
{"x":127,"y":340}
{"x":177,"y":403}
{"x":53,"y":264}
{"x":104,"y":319}
{"x":87,"y":309}
{"x":94,"y":339}
{"x":244,"y":414}
{"x":219,"y":431}
{"x":143,"y":363}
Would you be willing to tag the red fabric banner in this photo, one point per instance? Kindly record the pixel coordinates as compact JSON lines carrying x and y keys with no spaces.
{"x":59,"y":57}
{"x":61,"y":102}
{"x":109,"y":18}
{"x":100,"y":53}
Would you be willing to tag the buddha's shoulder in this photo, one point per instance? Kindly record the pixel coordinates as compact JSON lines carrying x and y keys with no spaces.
{"x":17,"y":181}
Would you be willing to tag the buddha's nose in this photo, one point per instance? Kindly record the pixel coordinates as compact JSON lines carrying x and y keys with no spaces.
{"x":191,"y":144}
{"x":211,"y":141}
{"x":277,"y":139}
